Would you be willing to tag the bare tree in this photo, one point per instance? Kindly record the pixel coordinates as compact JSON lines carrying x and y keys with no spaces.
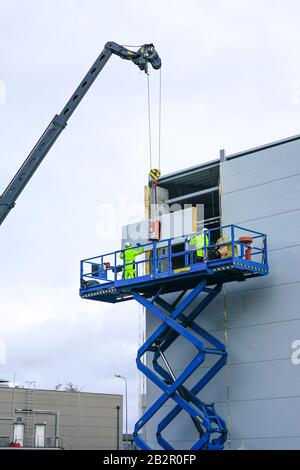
{"x":69,"y":387}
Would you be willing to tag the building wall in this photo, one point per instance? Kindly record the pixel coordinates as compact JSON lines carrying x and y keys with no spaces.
{"x":258,"y":391}
{"x":87,"y":420}
{"x":262,"y":191}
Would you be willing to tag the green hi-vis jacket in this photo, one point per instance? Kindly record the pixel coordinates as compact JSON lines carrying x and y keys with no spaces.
{"x":198,"y":240}
{"x":129,"y":256}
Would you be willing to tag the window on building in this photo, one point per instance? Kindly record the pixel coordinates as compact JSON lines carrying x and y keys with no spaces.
{"x":4,"y":441}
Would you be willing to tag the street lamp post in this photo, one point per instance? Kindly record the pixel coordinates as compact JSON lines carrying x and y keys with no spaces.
{"x":126,"y":403}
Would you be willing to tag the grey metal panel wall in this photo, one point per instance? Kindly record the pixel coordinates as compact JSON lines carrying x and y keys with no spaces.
{"x":262,"y":191}
{"x":259,"y":191}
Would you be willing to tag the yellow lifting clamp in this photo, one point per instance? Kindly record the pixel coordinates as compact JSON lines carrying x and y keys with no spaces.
{"x":154,"y":226}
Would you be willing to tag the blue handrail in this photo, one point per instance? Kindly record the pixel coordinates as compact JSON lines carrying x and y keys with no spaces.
{"x":153,"y":262}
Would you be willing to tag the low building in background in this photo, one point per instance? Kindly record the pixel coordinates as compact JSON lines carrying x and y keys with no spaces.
{"x":59,"y":419}
{"x":128,"y":442}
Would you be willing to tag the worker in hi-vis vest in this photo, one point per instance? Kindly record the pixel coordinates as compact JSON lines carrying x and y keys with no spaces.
{"x":199,"y":240}
{"x":129,"y":255}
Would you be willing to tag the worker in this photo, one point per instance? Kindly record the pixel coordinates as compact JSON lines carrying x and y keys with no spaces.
{"x":199,"y":240}
{"x":129,"y":255}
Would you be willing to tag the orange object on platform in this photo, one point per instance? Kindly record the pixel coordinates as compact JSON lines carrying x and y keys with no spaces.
{"x":154,"y":230}
{"x":247,"y":242}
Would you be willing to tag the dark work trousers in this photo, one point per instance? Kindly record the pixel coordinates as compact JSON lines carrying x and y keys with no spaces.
{"x":194,"y":258}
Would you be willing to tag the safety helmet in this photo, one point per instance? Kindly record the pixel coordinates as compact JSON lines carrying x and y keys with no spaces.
{"x":205,"y":229}
{"x":127,"y":245}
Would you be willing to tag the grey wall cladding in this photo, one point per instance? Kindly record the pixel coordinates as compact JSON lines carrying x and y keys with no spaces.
{"x":262,"y":191}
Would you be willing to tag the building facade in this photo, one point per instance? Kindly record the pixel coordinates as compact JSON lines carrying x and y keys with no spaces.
{"x":70,"y":420}
{"x":258,"y":391}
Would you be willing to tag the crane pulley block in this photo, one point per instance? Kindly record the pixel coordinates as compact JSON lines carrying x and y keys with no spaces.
{"x":144,"y":55}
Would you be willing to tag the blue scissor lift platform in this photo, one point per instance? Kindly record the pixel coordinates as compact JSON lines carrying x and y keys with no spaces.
{"x":170,"y":266}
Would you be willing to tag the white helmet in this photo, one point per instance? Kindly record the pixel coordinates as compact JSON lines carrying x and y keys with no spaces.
{"x":205,"y":229}
{"x":127,"y":245}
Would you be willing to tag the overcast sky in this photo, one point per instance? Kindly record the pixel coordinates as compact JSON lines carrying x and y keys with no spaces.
{"x":231,"y":79}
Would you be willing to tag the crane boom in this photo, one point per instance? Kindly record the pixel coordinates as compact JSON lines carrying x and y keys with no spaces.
{"x":145,"y":55}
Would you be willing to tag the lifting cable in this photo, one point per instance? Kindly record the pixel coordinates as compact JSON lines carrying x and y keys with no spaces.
{"x":149,"y":120}
{"x":159,"y":118}
{"x":130,"y":45}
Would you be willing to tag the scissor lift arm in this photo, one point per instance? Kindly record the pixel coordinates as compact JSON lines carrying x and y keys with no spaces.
{"x":145,"y":55}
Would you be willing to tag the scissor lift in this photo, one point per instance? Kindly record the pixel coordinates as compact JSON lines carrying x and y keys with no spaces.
{"x":159,"y":271}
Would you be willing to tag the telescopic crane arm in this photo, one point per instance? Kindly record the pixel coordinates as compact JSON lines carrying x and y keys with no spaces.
{"x":145,"y":55}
